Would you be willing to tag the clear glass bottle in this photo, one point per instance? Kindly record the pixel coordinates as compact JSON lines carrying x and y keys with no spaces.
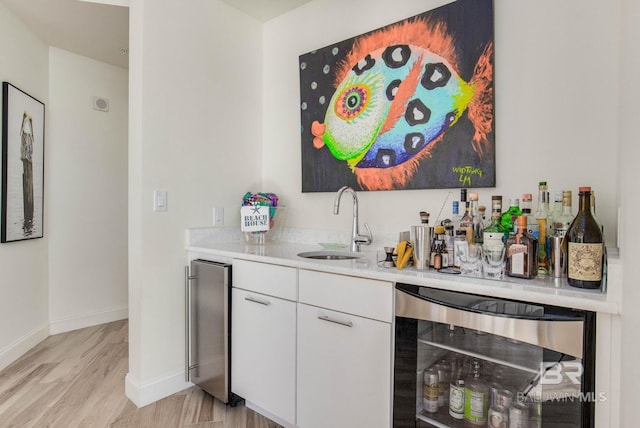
{"x":448,"y":243}
{"x":478,"y":225}
{"x":460,"y":245}
{"x":526,"y":206}
{"x":476,"y":400}
{"x":456,"y":388}
{"x":585,"y":246}
{"x":486,"y":218}
{"x":455,"y":214}
{"x":494,"y":234}
{"x":522,"y":252}
{"x":509,"y":217}
{"x":562,"y":223}
{"x":555,"y":214}
{"x":466,"y":222}
{"x":541,"y":215}
{"x":438,"y":259}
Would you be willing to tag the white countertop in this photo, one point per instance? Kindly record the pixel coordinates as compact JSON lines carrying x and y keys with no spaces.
{"x":225,"y":245}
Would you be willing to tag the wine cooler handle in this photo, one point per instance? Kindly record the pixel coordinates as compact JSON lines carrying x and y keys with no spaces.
{"x":344,"y":323}
{"x":562,"y":336}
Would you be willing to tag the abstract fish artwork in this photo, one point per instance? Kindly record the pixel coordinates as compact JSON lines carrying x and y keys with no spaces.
{"x":407,"y":106}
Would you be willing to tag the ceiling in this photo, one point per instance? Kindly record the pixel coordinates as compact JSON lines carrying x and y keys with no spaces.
{"x":101,"y":31}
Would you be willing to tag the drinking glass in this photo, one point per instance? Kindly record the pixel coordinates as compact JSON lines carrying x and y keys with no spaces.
{"x":493,"y":261}
{"x":471,"y":260}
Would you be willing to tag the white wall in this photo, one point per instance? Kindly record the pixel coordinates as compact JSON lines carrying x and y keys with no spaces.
{"x":556,"y":105}
{"x":195,"y":115}
{"x":195,"y":95}
{"x":23,"y":265}
{"x":629,"y":249}
{"x":88,"y":182}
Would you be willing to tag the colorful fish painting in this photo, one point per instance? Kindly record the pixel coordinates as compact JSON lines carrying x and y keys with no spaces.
{"x":398,"y":92}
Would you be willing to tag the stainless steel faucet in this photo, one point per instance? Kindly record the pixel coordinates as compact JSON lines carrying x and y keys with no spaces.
{"x":356,"y":238}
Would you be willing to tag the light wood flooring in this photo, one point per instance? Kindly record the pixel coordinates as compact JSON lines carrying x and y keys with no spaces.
{"x":76,"y":379}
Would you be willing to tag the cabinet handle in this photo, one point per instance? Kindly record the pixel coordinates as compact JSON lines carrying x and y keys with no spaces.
{"x":254,"y":300}
{"x":187,"y":322}
{"x":344,"y":323}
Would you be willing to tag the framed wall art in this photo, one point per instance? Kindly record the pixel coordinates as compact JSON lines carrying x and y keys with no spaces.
{"x":22,"y":165}
{"x":406,"y":106}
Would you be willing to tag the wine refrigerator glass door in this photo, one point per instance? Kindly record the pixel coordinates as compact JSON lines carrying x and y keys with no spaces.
{"x":467,"y":360}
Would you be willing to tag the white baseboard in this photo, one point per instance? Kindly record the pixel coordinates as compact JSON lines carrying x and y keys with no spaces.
{"x":145,"y":393}
{"x":88,"y":319}
{"x":18,"y":348}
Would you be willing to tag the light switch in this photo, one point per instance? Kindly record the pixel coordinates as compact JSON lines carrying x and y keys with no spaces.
{"x":218,"y":216}
{"x":159,"y":200}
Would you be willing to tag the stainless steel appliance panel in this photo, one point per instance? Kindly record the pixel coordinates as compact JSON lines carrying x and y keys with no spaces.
{"x":207,"y":325}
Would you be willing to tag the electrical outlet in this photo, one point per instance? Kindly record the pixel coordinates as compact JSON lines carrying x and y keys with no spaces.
{"x":218,"y":216}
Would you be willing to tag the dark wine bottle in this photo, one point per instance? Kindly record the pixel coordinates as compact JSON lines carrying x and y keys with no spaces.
{"x":585,"y":248}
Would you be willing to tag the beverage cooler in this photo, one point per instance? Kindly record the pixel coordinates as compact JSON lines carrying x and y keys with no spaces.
{"x":464,"y":360}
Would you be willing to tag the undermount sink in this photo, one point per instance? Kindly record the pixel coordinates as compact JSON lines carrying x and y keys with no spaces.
{"x":329,"y":255}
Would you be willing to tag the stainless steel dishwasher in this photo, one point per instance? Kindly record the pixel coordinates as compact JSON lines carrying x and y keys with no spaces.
{"x":208,"y":329}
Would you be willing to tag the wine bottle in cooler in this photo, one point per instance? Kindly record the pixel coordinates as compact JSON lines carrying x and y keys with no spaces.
{"x":476,"y":397}
{"x":585,"y":247}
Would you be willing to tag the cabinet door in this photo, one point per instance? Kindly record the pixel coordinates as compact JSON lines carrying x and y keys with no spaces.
{"x":344,"y":371}
{"x":263,"y":347}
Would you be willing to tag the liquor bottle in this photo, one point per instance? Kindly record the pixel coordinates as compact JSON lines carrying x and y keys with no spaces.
{"x":555,"y":214}
{"x":562,"y":223}
{"x":494,"y":234}
{"x":466,"y":222}
{"x":509,"y":217}
{"x":441,"y":237}
{"x":448,"y":243}
{"x":438,"y":259}
{"x":542,"y":213}
{"x":433,"y":251}
{"x":486,"y":219}
{"x":476,"y":400}
{"x":460,"y":245}
{"x":456,"y":388}
{"x":455,"y":214}
{"x":522,"y":252}
{"x":532,"y":224}
{"x":476,"y":219}
{"x":585,"y":247}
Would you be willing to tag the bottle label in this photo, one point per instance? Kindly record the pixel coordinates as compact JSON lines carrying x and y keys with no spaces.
{"x":585,"y":261}
{"x":517,"y":254}
{"x":456,"y":400}
{"x":493,"y":239}
{"x":475,"y":406}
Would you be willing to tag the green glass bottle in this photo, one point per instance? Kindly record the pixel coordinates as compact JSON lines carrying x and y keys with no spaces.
{"x":493,"y":235}
{"x":508,"y":219}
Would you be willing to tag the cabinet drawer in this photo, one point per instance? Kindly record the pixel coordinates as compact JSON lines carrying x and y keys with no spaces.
{"x":344,"y":370}
{"x":359,"y":296}
{"x":274,"y":280}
